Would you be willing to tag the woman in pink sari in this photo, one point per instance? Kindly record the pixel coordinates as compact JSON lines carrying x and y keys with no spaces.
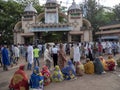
{"x":61,"y":57}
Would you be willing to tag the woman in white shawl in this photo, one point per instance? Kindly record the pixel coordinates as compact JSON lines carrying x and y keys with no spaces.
{"x":30,"y":56}
{"x":47,"y":57}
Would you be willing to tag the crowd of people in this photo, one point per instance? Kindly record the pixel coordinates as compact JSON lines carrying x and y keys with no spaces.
{"x":64,"y":68}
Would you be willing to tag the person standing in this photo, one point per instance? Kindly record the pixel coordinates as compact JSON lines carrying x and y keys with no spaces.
{"x":5,"y":58}
{"x":0,"y":56}
{"x":71,"y":53}
{"x":100,"y":48}
{"x":36,"y":56}
{"x":61,"y":57}
{"x":17,"y":54}
{"x":30,"y":56}
{"x":47,"y":57}
{"x":76,"y":56}
{"x":55,"y":55}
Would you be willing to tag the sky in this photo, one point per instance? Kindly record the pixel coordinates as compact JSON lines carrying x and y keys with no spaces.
{"x":108,"y":3}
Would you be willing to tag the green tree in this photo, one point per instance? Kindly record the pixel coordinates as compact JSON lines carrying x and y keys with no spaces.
{"x":97,"y":14}
{"x":117,"y":11}
{"x":8,"y":19}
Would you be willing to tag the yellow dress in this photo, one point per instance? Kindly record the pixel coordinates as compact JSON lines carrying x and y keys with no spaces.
{"x":89,"y":67}
{"x":80,"y":69}
{"x":104,"y":64}
{"x":57,"y":75}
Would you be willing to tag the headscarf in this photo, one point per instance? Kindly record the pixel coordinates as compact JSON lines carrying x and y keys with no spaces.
{"x":69,"y":70}
{"x":57,"y":75}
{"x":80,"y":65}
{"x":46,"y":73}
{"x":19,"y":79}
{"x":22,"y":67}
{"x":36,"y":70}
{"x":36,"y":79}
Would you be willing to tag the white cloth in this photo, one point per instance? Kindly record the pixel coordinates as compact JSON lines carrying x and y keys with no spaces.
{"x":17,"y":52}
{"x":54,"y":50}
{"x":40,"y":47}
{"x":76,"y":56}
{"x":47,"y":55}
{"x":30,"y":54}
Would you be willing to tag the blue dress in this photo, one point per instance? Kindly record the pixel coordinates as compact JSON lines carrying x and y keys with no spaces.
{"x":36,"y":80}
{"x":69,"y":71}
{"x":5,"y":57}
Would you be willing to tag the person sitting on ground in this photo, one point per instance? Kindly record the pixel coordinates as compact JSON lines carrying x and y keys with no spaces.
{"x":80,"y":69}
{"x":57,"y":75}
{"x":19,"y":80}
{"x":98,"y":66}
{"x":46,"y":73}
{"x":103,"y":61}
{"x":89,"y":66}
{"x":36,"y":80}
{"x":69,"y":71}
{"x":111,"y":63}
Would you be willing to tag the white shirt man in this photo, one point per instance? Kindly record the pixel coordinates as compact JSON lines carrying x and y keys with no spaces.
{"x":76,"y":56}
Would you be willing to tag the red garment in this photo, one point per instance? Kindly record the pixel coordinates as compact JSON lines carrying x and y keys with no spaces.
{"x":46,"y":73}
{"x":19,"y":80}
{"x":111,"y":65}
{"x":99,"y":48}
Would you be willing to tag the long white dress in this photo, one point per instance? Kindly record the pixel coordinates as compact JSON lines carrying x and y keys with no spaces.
{"x":30,"y":54}
{"x":76,"y":56}
{"x":47,"y":55}
{"x":17,"y":52}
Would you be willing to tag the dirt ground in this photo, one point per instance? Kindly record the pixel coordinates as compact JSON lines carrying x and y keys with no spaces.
{"x":108,"y":81}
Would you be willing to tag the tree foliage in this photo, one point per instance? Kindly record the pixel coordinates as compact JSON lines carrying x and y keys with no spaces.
{"x":117,"y":12}
{"x":97,"y":14}
{"x":8,"y":18}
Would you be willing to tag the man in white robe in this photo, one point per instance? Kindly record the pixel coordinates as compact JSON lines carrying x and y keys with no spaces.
{"x":30,"y":56}
{"x":76,"y":56}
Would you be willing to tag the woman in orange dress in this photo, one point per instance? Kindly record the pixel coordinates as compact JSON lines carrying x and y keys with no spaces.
{"x":103,"y":61}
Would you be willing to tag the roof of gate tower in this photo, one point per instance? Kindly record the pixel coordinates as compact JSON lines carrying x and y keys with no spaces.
{"x":30,"y":8}
{"x":51,"y":1}
{"x":74,"y":6}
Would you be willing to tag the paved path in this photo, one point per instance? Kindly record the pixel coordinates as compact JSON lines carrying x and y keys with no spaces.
{"x":108,"y":81}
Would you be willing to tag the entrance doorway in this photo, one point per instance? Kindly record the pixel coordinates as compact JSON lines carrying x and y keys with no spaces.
{"x":28,"y":40}
{"x":76,"y":38}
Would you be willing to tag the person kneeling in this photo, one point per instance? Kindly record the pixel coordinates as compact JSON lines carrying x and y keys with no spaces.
{"x":69,"y":71}
{"x":80,"y":69}
{"x":89,"y":66}
{"x":19,"y":80}
{"x":46,"y":73}
{"x":36,"y":80}
{"x":57,"y":75}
